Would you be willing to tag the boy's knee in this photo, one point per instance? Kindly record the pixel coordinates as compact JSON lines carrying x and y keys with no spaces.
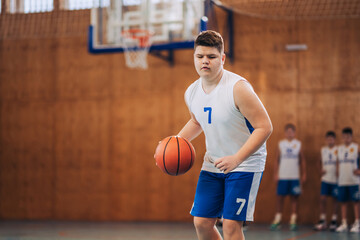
{"x":231,"y":227}
{"x":204,"y":224}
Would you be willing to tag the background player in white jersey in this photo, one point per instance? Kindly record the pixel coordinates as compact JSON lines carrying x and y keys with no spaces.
{"x":236,"y":125}
{"x":328,"y":181}
{"x":289,"y":158}
{"x":348,"y":183}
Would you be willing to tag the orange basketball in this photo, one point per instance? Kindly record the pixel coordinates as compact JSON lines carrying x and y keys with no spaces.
{"x":175,"y":155}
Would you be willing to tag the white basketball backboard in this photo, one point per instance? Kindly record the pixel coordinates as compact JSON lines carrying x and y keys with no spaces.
{"x":172,"y":23}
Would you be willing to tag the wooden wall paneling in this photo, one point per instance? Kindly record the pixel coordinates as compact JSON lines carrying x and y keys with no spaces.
{"x":317,"y":65}
{"x":346,"y":49}
{"x":328,"y":63}
{"x":81,"y":155}
{"x":346,"y":112}
{"x":260,"y":53}
{"x":30,"y":70}
{"x":26,"y":163}
{"x":81,"y":75}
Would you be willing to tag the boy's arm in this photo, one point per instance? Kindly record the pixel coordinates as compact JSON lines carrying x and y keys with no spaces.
{"x":303,"y":166}
{"x":357,"y":171}
{"x":276,"y":164}
{"x":253,"y":110}
{"x":321,"y":168}
{"x":191,"y":130}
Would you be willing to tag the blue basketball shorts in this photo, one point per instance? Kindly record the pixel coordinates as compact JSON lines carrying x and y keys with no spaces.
{"x":231,"y":196}
{"x":288,"y":187}
{"x":329,"y":189}
{"x":348,"y":193}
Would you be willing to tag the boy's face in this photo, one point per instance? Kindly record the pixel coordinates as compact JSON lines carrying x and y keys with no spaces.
{"x":330,"y":140}
{"x":208,"y":61}
{"x":289,"y":133}
{"x":347,"y":138}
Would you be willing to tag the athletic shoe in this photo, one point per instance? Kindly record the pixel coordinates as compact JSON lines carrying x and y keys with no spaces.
{"x":320,"y":226}
{"x":332,"y":226}
{"x":275,"y":226}
{"x":342,"y":228}
{"x":355,"y":228}
{"x":293,"y":227}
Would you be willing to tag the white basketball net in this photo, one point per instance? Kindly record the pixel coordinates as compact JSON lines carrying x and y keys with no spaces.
{"x":136,"y":44}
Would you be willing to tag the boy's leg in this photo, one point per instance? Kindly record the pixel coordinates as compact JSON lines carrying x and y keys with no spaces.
{"x":205,"y":228}
{"x":233,"y":230}
{"x":208,"y":204}
{"x":335,"y":194}
{"x":321,"y":225}
{"x":282,"y":191}
{"x":294,"y":209}
{"x":294,"y":204}
{"x":333,"y":222}
{"x":241,"y":190}
{"x":279,"y":203}
{"x":355,"y":228}
{"x":343,"y":212}
{"x":322,"y":207}
{"x":356,"y":210}
{"x":343,"y":198}
{"x":295,"y":193}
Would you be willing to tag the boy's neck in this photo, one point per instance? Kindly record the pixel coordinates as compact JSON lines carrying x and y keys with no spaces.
{"x":348,"y":144}
{"x":211,"y":83}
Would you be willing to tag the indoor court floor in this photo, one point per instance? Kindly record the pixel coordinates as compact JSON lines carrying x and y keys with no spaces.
{"x":33,"y":230}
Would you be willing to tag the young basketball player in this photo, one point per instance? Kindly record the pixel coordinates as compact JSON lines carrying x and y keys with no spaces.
{"x":236,"y":125}
{"x":348,"y":183}
{"x":328,"y":181}
{"x":290,"y":163}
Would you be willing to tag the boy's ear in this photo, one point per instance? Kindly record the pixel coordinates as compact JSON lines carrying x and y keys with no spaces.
{"x":223,"y":57}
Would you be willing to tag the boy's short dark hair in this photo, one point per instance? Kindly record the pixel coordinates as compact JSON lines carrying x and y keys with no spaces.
{"x":330,"y":134}
{"x":210,"y":38}
{"x":347,"y":130}
{"x":290,"y":125}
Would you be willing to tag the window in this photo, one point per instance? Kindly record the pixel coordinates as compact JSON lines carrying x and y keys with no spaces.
{"x":85,"y":4}
{"x":30,"y":6}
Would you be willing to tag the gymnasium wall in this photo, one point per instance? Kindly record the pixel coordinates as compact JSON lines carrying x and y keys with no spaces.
{"x":78,"y":131}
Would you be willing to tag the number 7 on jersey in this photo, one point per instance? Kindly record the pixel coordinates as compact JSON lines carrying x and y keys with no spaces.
{"x":208,"y":109}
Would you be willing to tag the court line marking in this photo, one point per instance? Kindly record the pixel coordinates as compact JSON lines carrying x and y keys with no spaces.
{"x":304,"y":235}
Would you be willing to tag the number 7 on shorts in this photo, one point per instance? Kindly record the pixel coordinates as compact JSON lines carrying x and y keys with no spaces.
{"x":242,"y":202}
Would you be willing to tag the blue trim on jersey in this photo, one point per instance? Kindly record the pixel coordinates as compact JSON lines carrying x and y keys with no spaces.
{"x":249,"y":126}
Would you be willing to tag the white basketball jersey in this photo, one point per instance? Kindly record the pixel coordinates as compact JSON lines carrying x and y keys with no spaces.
{"x":329,"y":160}
{"x":289,"y":159}
{"x":348,"y":162}
{"x":225,"y":128}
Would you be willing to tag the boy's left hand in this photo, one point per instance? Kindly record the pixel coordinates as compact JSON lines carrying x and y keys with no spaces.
{"x":303,"y":178}
{"x":227,"y":164}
